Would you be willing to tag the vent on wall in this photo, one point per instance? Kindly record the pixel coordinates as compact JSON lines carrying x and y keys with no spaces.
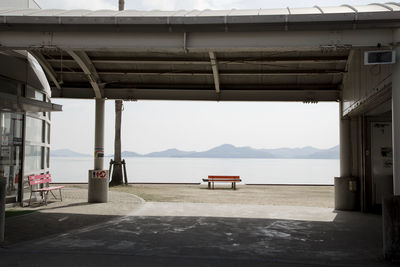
{"x":379,"y":57}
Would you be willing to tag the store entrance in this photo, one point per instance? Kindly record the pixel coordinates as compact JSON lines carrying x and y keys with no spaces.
{"x":11,"y":132}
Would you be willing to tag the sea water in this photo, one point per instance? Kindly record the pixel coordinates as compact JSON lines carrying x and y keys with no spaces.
{"x":192,"y":170}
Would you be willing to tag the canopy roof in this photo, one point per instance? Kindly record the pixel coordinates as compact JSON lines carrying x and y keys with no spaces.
{"x":289,"y":54}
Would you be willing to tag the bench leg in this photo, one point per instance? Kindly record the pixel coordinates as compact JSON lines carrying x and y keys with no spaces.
{"x":45,"y":197}
{"x":53,"y":194}
{"x":30,"y":198}
{"x":209,"y":185}
{"x":234,"y":186}
{"x":60,"y":194}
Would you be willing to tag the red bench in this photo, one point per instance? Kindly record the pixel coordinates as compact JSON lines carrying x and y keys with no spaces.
{"x":223,"y":179}
{"x":42,"y":179}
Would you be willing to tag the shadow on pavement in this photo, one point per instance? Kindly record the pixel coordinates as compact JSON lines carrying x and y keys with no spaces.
{"x":352,"y":239}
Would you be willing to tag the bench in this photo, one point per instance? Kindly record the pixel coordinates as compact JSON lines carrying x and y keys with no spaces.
{"x":223,"y":179}
{"x":42,"y":179}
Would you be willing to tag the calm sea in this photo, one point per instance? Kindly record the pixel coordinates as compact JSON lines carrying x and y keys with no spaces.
{"x":192,"y":170}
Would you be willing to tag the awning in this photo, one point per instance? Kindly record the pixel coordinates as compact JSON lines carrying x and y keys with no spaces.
{"x":9,"y":102}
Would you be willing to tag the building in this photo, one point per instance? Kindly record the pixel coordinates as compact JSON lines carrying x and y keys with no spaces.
{"x":25,"y":117}
{"x":301,"y":54}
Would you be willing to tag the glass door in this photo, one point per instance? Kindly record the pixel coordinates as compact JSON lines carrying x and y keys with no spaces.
{"x":11,"y":129}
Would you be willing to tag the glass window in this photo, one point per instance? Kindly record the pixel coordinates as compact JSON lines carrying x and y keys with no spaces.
{"x":9,"y":87}
{"x":33,"y":158}
{"x":34,"y":94}
{"x":34,"y":130}
{"x":10,"y":151}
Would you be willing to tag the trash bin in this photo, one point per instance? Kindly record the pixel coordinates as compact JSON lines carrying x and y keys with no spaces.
{"x":346,"y":193}
{"x":3,"y":184}
{"x":98,"y":186}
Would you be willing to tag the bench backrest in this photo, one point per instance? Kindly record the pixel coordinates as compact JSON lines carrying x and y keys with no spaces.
{"x":39,"y":179}
{"x":223,"y":178}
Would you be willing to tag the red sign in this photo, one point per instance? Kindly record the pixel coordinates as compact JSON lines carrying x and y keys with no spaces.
{"x":99,"y":174}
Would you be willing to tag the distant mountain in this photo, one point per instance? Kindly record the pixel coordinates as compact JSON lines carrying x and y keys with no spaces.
{"x":331,"y":153}
{"x":227,"y":151}
{"x":231,"y":151}
{"x":173,"y":153}
{"x":286,"y":152}
{"x":66,"y":153}
{"x":128,"y":154}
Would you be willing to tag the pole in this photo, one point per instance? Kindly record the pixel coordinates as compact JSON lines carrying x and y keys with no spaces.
{"x":116,"y":178}
{"x":99,"y":135}
{"x":345,"y":144}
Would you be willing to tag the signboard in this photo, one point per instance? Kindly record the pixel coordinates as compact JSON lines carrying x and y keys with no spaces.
{"x":379,"y":57}
{"x":99,"y":174}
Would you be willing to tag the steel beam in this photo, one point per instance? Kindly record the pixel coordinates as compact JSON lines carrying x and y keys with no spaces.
{"x":48,"y":69}
{"x":301,"y":60}
{"x":204,"y":94}
{"x":214,"y":66}
{"x":217,"y":74}
{"x":88,"y":68}
{"x":196,"y":41}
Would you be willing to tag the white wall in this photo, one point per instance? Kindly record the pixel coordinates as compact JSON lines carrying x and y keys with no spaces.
{"x":363,"y":82}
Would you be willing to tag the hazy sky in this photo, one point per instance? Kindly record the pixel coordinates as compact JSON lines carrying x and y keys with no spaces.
{"x":157,"y":125}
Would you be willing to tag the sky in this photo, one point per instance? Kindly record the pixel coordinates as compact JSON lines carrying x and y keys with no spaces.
{"x":149,"y":126}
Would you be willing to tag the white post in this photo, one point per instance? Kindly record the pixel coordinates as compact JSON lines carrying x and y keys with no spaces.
{"x":345,"y":145}
{"x":99,"y":135}
{"x":396,"y":115}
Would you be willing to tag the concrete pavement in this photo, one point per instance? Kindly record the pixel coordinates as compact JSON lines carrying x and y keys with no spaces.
{"x":201,"y":234}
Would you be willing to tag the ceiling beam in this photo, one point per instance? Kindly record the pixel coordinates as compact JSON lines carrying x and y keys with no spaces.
{"x":201,"y":94}
{"x":102,"y":39}
{"x":214,"y":66}
{"x":89,"y":69}
{"x":48,"y":69}
{"x":217,"y":74}
{"x":314,"y":60}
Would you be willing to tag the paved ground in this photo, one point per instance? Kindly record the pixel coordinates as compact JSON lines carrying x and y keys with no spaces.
{"x":309,"y":196}
{"x":182,"y":234}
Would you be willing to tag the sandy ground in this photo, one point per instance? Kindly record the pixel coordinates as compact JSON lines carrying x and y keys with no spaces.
{"x":308,"y":196}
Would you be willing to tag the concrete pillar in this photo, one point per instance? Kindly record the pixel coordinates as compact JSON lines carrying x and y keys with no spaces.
{"x":346,"y":187}
{"x":396,"y":116}
{"x":98,"y":181}
{"x":391,"y":205}
{"x":345,"y":145}
{"x":99,"y":135}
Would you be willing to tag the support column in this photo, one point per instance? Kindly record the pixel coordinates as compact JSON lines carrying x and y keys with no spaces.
{"x":99,"y":135}
{"x":346,"y":188}
{"x":345,"y":145}
{"x":391,"y":205}
{"x":396,"y":116}
{"x":98,"y":178}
